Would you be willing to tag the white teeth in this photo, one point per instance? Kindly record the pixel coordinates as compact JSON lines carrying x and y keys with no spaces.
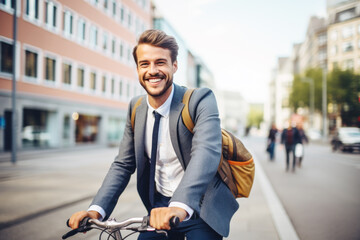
{"x":155,"y":80}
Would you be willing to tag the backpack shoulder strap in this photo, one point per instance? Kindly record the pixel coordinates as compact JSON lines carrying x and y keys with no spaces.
{"x":185,"y":112}
{"x":138,"y":102}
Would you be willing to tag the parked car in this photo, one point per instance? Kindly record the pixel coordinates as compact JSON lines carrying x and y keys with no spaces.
{"x":346,"y":139}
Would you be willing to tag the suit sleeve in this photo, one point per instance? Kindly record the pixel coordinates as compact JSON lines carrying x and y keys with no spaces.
{"x":120,"y":171}
{"x":205,"y":150}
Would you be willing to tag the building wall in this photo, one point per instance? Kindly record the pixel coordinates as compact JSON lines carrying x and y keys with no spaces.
{"x":344,"y":36}
{"x":71,"y":89}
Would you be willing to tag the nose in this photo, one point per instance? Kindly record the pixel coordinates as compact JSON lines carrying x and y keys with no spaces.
{"x":153,"y":69}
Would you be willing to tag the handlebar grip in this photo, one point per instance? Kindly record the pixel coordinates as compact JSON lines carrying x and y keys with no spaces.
{"x":69,"y":234}
{"x":174,"y":222}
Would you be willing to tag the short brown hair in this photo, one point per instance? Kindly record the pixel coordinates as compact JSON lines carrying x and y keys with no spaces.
{"x":158,"y":38}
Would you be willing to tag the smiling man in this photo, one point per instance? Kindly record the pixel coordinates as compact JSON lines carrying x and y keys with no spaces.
{"x":176,"y":170}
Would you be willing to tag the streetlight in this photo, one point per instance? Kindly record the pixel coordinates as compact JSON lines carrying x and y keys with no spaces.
{"x":312,"y":98}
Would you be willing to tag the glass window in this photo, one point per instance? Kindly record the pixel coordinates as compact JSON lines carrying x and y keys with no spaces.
{"x":106,"y":4}
{"x":80,"y":77}
{"x":32,"y":9}
{"x":7,"y":4}
{"x":113,"y":42}
{"x":66,"y":73}
{"x":50,"y":14}
{"x":348,"y":31}
{"x":121,"y":50}
{"x":30,"y":64}
{"x":81,"y":29}
{"x":6,"y":57}
{"x":93,"y":36}
{"x":122,"y":14}
{"x":103,"y":88}
{"x":112,"y":86}
{"x":348,"y":47}
{"x":105,"y":41}
{"x":114,"y":8}
{"x":349,"y":64}
{"x":68,"y":23}
{"x":50,"y":69}
{"x":129,"y":19}
{"x":92,"y":80}
{"x":120,"y":88}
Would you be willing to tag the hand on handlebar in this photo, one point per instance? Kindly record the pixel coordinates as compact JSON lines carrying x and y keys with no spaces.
{"x":76,"y":218}
{"x":160,"y":218}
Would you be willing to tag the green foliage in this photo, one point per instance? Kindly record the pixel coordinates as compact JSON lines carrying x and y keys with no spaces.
{"x":343,"y":89}
{"x":255,"y":115}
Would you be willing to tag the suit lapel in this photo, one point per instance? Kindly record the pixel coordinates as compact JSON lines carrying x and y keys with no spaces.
{"x":175,"y":115}
{"x":139,"y":135}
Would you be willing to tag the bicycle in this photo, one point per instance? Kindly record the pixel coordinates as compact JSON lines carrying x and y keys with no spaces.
{"x":113,"y":228}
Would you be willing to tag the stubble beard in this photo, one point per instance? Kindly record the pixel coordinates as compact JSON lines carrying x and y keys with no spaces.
{"x":162,"y":92}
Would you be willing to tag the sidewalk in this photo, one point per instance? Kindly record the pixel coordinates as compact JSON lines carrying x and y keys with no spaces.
{"x":49,"y":181}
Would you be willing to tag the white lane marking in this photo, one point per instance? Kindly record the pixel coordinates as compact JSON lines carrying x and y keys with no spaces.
{"x":282,"y":222}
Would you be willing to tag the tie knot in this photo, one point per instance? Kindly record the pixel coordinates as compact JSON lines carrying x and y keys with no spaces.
{"x":157,"y":115}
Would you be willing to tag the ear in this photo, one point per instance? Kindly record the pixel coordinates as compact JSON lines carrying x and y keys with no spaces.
{"x":175,"y":65}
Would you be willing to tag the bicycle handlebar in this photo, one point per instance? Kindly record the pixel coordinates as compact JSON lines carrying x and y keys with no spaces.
{"x":85,"y":225}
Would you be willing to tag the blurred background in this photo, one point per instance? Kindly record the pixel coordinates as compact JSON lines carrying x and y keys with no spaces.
{"x":67,"y":76}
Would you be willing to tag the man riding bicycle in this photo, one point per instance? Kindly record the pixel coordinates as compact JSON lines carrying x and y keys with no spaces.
{"x":176,"y":170}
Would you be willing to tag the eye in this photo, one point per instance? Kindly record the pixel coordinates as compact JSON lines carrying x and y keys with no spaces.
{"x":143,"y":64}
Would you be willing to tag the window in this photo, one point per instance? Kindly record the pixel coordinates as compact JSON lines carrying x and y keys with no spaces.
{"x":112,"y":86}
{"x":68,"y":23}
{"x":322,"y":39}
{"x":105,"y":41}
{"x":113,"y":42}
{"x":106,"y":4}
{"x":334,"y":35}
{"x":93,"y":81}
{"x":334,"y":50}
{"x":81,"y":29}
{"x":349,"y":64}
{"x":30,"y":64}
{"x":50,"y":14}
{"x":122,"y":14}
{"x":50,"y":65}
{"x":348,"y":31}
{"x":6,"y":57}
{"x":129,"y":19}
{"x":80,"y":77}
{"x":348,"y":47}
{"x":114,"y":8}
{"x":32,"y":9}
{"x":7,"y":5}
{"x":120,"y":88}
{"x":103,"y":84}
{"x":66,"y":73}
{"x":93,"y":36}
{"x":121,"y":50}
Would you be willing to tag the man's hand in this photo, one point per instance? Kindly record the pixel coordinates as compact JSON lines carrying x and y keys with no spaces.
{"x":76,"y":218}
{"x":160,"y":217}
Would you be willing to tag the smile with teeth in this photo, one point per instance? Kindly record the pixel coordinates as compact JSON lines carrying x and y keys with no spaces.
{"x":155,"y":80}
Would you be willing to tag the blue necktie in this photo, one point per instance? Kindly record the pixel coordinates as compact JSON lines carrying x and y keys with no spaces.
{"x":153,"y":158}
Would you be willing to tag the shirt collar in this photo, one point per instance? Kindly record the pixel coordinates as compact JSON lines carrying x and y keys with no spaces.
{"x":164,"y":109}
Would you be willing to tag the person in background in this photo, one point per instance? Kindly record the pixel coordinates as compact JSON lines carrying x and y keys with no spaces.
{"x":271,"y":141}
{"x":300,"y":144}
{"x":289,"y":137}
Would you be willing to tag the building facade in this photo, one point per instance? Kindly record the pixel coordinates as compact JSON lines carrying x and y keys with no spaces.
{"x":344,"y":35}
{"x":74,"y":70}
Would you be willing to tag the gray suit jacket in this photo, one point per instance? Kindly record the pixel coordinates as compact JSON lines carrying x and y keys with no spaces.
{"x":199,"y":154}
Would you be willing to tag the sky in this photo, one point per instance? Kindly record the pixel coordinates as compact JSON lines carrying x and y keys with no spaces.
{"x":241,"y":40}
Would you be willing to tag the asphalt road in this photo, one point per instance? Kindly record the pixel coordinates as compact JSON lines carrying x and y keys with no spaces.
{"x":322,"y":198}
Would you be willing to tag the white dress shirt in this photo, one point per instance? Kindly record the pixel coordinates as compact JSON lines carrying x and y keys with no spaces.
{"x":169,"y":171}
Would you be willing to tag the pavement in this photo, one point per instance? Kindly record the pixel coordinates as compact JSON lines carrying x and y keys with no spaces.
{"x":48,"y":180}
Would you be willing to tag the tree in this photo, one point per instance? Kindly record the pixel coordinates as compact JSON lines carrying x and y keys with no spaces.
{"x":256,"y":115}
{"x":343,"y":92}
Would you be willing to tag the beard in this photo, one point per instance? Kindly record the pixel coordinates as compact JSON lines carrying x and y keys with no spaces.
{"x":168,"y":84}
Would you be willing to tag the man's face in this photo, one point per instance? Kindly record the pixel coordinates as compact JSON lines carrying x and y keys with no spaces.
{"x":155,"y":70}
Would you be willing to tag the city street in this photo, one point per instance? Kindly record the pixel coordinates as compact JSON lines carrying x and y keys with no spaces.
{"x":321,"y":199}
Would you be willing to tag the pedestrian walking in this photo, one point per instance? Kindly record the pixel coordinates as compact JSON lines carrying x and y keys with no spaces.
{"x":176,"y":170}
{"x":299,"y":148}
{"x":271,"y":141}
{"x":289,"y":137}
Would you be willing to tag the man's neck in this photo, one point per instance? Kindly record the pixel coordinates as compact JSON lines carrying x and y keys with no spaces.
{"x":156,"y":102}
